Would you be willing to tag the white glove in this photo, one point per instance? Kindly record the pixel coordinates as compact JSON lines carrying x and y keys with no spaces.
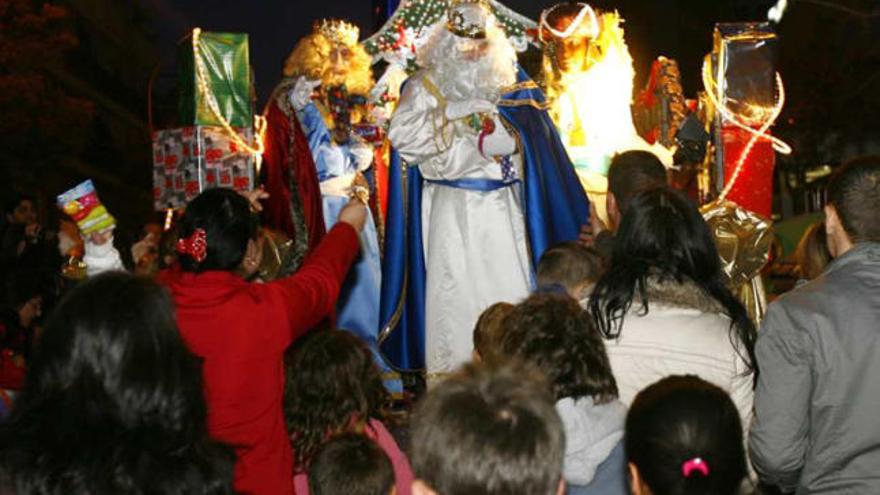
{"x":499,"y":143}
{"x":100,"y":258}
{"x":459,"y":109}
{"x":363,"y":155}
{"x":301,"y":94}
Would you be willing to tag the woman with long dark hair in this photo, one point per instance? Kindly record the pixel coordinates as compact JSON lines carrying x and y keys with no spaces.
{"x":113,"y":402}
{"x":664,"y":307}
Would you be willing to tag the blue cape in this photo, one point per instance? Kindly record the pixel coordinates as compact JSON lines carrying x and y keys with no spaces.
{"x":555,"y":206}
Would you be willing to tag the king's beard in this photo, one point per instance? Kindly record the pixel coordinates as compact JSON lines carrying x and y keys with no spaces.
{"x":458,"y":77}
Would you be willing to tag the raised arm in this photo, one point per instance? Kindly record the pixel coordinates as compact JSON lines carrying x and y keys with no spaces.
{"x":310,"y":294}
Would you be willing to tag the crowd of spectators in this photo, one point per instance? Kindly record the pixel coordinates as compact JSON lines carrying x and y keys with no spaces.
{"x":632,"y":368}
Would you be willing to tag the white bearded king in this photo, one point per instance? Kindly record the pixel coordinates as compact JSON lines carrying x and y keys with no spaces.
{"x":478,"y":142}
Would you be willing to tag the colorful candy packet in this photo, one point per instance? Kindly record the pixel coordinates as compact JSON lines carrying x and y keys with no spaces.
{"x":82,"y":205}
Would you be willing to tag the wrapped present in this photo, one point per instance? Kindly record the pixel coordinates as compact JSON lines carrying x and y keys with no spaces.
{"x":188,"y":160}
{"x":745,"y":88}
{"x":82,"y":205}
{"x":753,"y":189}
{"x":746,"y":65}
{"x":743,"y":240}
{"x":221,"y":63}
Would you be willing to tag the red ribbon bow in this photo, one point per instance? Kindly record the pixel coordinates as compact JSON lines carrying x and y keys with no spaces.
{"x":196,"y":245}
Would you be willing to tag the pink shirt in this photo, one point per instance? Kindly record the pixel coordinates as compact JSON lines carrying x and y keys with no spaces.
{"x":376,"y":431}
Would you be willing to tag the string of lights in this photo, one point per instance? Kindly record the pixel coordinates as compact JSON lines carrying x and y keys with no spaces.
{"x":207,"y":94}
{"x":767,"y":116}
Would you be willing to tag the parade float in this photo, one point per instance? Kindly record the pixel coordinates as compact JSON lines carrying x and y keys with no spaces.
{"x":717,"y":145}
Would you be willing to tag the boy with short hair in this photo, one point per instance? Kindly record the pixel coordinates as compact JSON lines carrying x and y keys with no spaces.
{"x":570,"y":266}
{"x":351,"y":464}
{"x":489,"y":330}
{"x":489,"y":429}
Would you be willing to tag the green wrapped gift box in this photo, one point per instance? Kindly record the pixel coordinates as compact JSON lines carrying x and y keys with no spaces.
{"x":227,"y":71}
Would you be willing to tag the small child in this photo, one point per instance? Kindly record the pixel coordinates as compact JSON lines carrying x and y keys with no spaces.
{"x":351,"y":464}
{"x":335,"y":387}
{"x":488,"y":331}
{"x":488,"y":428}
{"x":683,"y":435}
{"x":570,"y":266}
{"x":553,"y":333}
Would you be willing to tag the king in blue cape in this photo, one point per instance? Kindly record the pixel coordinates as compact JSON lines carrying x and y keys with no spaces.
{"x":479,"y":187}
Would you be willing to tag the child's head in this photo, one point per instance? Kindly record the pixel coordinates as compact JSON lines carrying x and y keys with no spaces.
{"x":220,"y":220}
{"x":351,"y":464}
{"x":491,"y":429}
{"x":571,"y":265}
{"x":333,"y":386}
{"x":683,"y":436}
{"x":488,"y":330}
{"x":553,"y":333}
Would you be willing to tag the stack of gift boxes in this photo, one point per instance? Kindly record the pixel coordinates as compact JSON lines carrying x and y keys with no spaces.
{"x":188,"y":160}
{"x":204,"y":154}
{"x":744,"y":59}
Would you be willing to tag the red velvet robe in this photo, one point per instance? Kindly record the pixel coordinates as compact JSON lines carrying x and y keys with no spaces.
{"x":289,"y":176}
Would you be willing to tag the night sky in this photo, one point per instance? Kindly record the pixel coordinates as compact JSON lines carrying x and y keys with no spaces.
{"x":827,"y":53}
{"x":677,"y":28}
{"x":273,"y":26}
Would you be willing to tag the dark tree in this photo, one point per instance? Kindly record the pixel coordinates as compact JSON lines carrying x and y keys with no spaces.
{"x":41,"y":120}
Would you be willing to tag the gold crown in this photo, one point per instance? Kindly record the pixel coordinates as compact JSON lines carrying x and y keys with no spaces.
{"x":338,"y":32}
{"x":460,"y":24}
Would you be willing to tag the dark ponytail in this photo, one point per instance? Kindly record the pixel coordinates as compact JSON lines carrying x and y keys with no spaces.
{"x":684,"y":436}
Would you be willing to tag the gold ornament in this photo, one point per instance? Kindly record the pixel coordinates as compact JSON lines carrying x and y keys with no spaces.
{"x":360,"y":189}
{"x":743,"y":239}
{"x":338,"y":31}
{"x":74,"y":269}
{"x":278,"y":256}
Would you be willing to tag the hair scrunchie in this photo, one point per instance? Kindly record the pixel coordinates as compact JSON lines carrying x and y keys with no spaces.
{"x":697,"y":464}
{"x":195,"y":246}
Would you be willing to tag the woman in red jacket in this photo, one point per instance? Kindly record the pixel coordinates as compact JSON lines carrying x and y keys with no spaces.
{"x":241,"y":329}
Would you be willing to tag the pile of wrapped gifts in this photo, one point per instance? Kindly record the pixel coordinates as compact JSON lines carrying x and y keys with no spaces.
{"x":217,"y":107}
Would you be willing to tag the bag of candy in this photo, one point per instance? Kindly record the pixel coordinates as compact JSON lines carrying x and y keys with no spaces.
{"x":82,"y":205}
